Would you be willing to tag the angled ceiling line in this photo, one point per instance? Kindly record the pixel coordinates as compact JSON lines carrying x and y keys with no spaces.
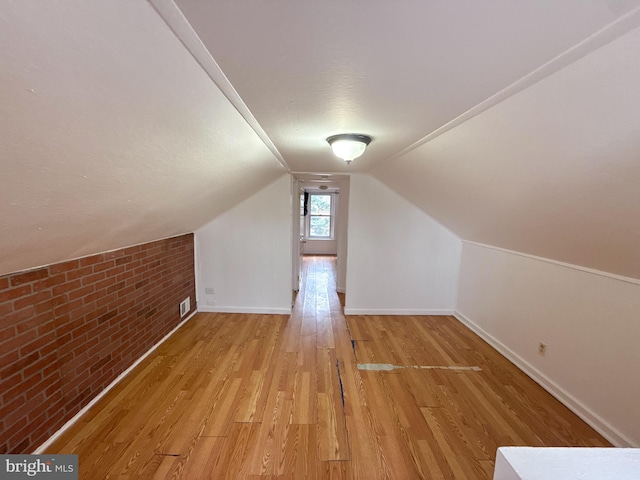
{"x":605,"y":35}
{"x":438,"y":221}
{"x":184,"y":32}
{"x":571,"y":266}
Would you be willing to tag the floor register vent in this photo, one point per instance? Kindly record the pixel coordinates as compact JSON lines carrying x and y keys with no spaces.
{"x":185,"y":306}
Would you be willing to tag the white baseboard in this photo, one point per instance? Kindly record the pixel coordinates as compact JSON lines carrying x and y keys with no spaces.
{"x":97,"y":398}
{"x":396,"y":311}
{"x":272,"y":311}
{"x":590,"y":417}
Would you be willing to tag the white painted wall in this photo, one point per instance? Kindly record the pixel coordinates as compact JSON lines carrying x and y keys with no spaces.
{"x":589,"y":320}
{"x":245,"y":254}
{"x":343,"y":235}
{"x":400,"y":260}
{"x":321,"y":247}
{"x":296,"y":191}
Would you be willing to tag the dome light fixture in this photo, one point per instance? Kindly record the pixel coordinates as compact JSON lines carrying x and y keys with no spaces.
{"x":348,"y":146}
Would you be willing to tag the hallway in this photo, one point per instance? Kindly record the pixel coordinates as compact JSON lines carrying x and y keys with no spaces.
{"x":266,"y":396}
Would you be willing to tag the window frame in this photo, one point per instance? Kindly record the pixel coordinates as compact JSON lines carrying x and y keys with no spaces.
{"x":331,"y":215}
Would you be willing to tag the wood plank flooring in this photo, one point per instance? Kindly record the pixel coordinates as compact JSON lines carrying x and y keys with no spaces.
{"x":267,"y":396}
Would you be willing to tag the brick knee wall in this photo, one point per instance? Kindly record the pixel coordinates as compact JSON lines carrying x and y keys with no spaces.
{"x":69,"y":329}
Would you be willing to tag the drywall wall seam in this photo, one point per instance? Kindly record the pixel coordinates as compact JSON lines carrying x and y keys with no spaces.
{"x":41,"y":449}
{"x":600,"y":425}
{"x":634,"y":281}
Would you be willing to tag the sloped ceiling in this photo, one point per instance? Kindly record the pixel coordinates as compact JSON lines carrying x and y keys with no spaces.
{"x":394,"y":70}
{"x":553,"y":171}
{"x":111,"y":134}
{"x":513,"y":123}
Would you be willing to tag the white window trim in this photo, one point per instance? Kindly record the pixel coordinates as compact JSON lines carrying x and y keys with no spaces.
{"x":332,"y":215}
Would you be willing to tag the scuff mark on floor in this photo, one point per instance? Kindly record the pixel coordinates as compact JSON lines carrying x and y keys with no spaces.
{"x":386,"y":367}
{"x":340,"y":381}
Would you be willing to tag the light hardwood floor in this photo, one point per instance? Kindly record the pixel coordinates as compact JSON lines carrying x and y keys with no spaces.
{"x":267,"y":396}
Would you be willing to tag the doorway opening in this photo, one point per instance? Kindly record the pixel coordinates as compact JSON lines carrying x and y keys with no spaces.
{"x":320,"y":221}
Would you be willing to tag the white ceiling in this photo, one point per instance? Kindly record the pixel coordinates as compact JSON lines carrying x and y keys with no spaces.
{"x":394,"y":70}
{"x":513,"y":123}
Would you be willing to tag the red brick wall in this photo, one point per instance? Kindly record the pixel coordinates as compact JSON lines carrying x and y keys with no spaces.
{"x":68,"y":330}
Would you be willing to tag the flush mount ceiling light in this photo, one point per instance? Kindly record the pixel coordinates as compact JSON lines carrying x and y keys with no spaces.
{"x":348,"y":146}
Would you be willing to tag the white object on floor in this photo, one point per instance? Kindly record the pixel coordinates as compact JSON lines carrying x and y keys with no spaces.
{"x":388,"y":366}
{"x":567,"y":463}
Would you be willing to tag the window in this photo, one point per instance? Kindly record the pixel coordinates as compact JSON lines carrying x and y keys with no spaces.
{"x":320,"y":216}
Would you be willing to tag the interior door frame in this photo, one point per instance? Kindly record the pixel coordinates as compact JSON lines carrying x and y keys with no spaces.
{"x":296,"y":241}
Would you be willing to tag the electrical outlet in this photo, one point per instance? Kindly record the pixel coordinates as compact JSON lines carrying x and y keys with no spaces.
{"x":542,"y":349}
{"x":210,"y":291}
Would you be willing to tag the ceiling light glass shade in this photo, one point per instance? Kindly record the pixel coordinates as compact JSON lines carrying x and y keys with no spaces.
{"x":348,"y":146}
